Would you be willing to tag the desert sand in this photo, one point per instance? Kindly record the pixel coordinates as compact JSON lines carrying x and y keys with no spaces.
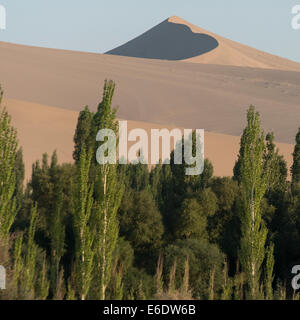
{"x":45,"y":89}
{"x":190,"y":95}
{"x":43,"y":129}
{"x":177,"y":39}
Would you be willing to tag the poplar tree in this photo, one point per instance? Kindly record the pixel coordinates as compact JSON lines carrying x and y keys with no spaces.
{"x":8,"y":151}
{"x":43,"y":284}
{"x":55,"y":221}
{"x":84,"y":230}
{"x":108,"y":193}
{"x":20,"y":175}
{"x":83,"y":133}
{"x":18,"y":261}
{"x":57,"y":239}
{"x":254,"y":174}
{"x":278,"y":178}
{"x":31,"y":251}
{"x":24,"y":257}
{"x":295,"y":169}
{"x":269,"y":276}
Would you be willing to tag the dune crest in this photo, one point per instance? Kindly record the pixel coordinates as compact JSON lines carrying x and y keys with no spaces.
{"x":177,"y":39}
{"x":168,"y":41}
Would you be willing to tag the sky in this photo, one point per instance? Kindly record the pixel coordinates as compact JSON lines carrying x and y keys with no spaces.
{"x":98,"y":25}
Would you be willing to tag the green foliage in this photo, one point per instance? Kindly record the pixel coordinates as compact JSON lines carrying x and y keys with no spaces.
{"x":29,"y":281}
{"x":43,"y":284}
{"x":137,"y":176}
{"x":122,"y":262}
{"x":208,"y":202}
{"x":295,"y":170}
{"x":31,"y":252}
{"x":18,"y":261}
{"x":203,"y":257}
{"x":254,"y":176}
{"x":138,"y":285}
{"x":207,"y":174}
{"x":57,"y":240}
{"x":8,"y":154}
{"x":226,"y":190}
{"x":82,"y":134}
{"x":269,"y":276}
{"x":109,"y":190}
{"x":83,"y":227}
{"x":90,"y":231}
{"x":191,"y":222}
{"x":19,"y":174}
{"x":227,"y":287}
{"x":141,"y":224}
{"x":224,"y":226}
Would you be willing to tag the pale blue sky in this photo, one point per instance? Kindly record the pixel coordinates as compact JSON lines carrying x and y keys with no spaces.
{"x":98,"y":25}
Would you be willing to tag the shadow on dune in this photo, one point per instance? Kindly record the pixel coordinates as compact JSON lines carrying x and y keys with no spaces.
{"x":167,"y":41}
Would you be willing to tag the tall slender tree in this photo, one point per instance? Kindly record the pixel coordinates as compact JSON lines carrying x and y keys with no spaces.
{"x":254,"y":173}
{"x":31,"y":252}
{"x":295,"y":170}
{"x":269,"y":269}
{"x":57,"y":239}
{"x":8,"y":152}
{"x":20,"y":175}
{"x":108,"y":193}
{"x":84,"y":230}
{"x":56,"y":223}
{"x":83,"y":133}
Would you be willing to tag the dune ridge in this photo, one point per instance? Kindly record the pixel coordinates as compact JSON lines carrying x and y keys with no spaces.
{"x":45,"y":89}
{"x":190,"y":95}
{"x":172,"y":38}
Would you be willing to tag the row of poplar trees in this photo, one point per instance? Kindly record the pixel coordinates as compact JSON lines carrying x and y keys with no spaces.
{"x":91,"y":231}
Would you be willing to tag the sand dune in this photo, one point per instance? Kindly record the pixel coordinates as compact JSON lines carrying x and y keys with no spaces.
{"x":189,"y":95}
{"x":43,"y":129}
{"x":168,"y":41}
{"x":177,"y":39}
{"x":46,"y":88}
